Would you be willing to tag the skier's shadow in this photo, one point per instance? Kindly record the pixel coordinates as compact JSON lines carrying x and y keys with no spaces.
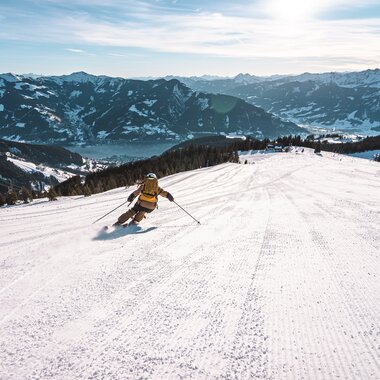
{"x":106,"y":234}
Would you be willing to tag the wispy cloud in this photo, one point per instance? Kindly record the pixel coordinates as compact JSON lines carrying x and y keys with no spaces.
{"x":117,"y":55}
{"x":80,"y":51}
{"x":216,"y":34}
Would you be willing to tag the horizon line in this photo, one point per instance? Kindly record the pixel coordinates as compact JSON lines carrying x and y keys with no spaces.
{"x":188,"y":76}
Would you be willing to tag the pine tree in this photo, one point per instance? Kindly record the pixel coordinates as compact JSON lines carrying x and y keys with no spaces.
{"x":111,"y":184}
{"x":86,"y":191}
{"x":11,"y":197}
{"x":318,"y":147}
{"x":52,"y":194}
{"x":26,"y":195}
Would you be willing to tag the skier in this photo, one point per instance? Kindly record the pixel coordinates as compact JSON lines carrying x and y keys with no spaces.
{"x":148,"y":192}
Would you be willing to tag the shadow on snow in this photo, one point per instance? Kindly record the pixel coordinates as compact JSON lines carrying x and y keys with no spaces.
{"x":115,"y":233}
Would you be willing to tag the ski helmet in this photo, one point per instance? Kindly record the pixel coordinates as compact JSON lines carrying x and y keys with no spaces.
{"x":151,"y":175}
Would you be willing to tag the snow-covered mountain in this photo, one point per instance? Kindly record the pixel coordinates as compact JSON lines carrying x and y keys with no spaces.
{"x":86,"y":108}
{"x":40,"y":166}
{"x":279,"y":281}
{"x":343,"y":101}
{"x":367,"y":78}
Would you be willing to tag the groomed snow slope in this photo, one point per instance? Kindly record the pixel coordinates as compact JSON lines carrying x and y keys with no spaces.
{"x":280,"y":281}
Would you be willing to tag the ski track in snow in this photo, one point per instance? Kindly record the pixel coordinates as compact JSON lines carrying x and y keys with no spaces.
{"x":280,"y":281}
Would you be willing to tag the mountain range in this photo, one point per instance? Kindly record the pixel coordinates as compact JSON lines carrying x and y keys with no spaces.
{"x":83,"y":108}
{"x":349,"y":102}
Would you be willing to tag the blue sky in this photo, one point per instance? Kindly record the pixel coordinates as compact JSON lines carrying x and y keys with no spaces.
{"x":132,"y":38}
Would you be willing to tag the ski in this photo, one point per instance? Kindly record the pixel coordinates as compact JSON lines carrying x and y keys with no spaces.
{"x":117,"y":226}
{"x":130,"y":224}
{"x":114,"y":226}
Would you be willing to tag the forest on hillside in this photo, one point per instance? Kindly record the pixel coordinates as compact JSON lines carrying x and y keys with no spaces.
{"x":170,"y":162}
{"x":196,"y":154}
{"x":189,"y":155}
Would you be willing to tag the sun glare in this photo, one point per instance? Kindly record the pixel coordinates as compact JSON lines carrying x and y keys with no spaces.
{"x":292,"y":10}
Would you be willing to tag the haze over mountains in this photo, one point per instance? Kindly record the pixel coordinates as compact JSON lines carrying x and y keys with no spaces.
{"x":83,"y":108}
{"x":345,"y":101}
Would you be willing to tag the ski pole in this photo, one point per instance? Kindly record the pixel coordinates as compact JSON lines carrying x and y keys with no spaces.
{"x":186,"y":212}
{"x":97,"y":220}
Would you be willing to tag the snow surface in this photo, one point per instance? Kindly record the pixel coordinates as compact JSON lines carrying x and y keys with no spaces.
{"x":75,"y":94}
{"x":134,"y":109}
{"x":102,"y":134}
{"x":280,"y":281}
{"x":150,"y":102}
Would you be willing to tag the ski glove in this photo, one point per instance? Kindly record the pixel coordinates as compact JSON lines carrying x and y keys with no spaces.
{"x":131,"y":197}
{"x":170,"y":197}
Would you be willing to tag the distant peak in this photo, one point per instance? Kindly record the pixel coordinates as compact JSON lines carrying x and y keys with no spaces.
{"x":246,"y":78}
{"x":243,"y":75}
{"x":32,"y":75}
{"x":79,"y":76}
{"x":10,"y":77}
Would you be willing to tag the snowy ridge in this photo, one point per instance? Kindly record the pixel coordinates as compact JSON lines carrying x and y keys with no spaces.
{"x":80,"y":77}
{"x":60,"y":175}
{"x":39,"y":167}
{"x":345,"y":102}
{"x":29,"y":167}
{"x":368,"y":78}
{"x":280,"y":281}
{"x":10,"y":77}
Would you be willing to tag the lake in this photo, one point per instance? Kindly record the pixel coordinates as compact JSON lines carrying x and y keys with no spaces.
{"x":368,"y":154}
{"x":122,"y":152}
